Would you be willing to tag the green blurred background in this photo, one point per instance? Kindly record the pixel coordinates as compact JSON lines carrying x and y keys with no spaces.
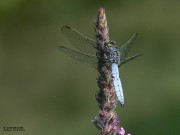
{"x":51,"y":94}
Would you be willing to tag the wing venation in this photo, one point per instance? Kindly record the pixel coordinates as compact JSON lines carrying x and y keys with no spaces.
{"x":89,"y":59}
{"x":81,"y":42}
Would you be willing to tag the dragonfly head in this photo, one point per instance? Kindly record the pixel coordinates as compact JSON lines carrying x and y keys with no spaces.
{"x":110,"y":43}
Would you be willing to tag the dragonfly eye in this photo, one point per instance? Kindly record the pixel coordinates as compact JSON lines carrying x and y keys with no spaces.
{"x":107,"y":42}
{"x":112,"y":42}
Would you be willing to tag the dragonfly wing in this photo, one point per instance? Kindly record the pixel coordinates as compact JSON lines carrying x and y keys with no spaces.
{"x":81,"y":42}
{"x":117,"y":83}
{"x":126,"y":47}
{"x":92,"y":60}
{"x":129,"y":59}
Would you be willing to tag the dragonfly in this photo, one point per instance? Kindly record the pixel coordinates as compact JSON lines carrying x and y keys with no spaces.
{"x":115,"y":56}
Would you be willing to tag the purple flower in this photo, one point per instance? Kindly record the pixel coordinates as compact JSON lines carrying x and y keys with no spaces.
{"x":115,"y":122}
{"x":121,"y":131}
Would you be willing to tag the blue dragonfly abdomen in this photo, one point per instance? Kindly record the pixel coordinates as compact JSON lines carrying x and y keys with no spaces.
{"x":117,"y":83}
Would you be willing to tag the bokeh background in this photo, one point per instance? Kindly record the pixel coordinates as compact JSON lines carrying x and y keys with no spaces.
{"x":48,"y":93}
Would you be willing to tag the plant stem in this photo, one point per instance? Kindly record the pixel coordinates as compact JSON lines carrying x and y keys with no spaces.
{"x":107,"y":120}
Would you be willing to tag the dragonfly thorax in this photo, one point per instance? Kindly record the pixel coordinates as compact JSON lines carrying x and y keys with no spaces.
{"x":112,"y":53}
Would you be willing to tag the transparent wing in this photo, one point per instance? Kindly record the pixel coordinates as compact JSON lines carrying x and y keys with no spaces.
{"x":81,"y":42}
{"x":129,"y":59}
{"x":92,"y":60}
{"x":126,"y":47}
